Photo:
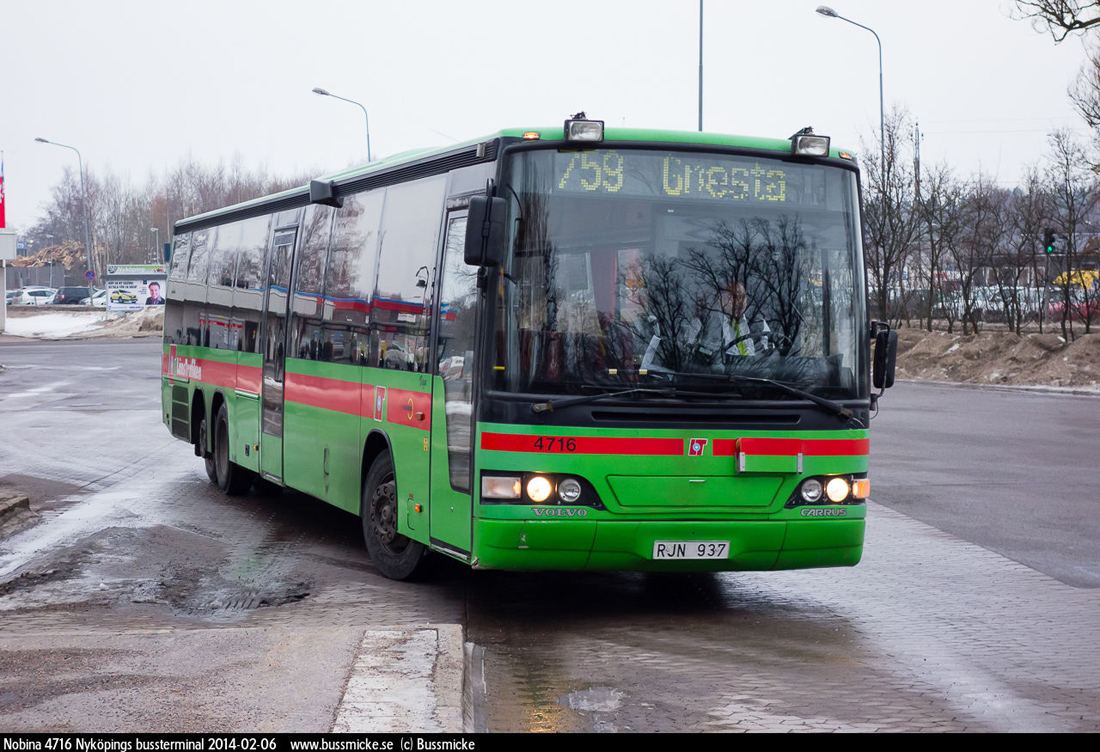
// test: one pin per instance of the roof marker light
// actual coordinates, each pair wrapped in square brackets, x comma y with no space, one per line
[584,130]
[532,136]
[807,144]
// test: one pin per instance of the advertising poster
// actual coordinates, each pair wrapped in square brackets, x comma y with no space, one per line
[135,286]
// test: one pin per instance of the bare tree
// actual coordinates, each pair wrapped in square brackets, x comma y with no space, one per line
[1030,214]
[121,217]
[940,210]
[1060,17]
[1074,198]
[891,226]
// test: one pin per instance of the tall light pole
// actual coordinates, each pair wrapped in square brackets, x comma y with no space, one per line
[323,93]
[156,244]
[83,202]
[828,12]
[700,66]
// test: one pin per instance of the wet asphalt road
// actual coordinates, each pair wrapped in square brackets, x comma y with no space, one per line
[142,600]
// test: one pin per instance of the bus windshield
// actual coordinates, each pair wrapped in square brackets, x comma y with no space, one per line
[638,267]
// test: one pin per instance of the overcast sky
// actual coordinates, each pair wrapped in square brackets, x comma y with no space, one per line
[137,85]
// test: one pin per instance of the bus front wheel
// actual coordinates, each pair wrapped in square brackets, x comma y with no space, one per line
[232,478]
[396,556]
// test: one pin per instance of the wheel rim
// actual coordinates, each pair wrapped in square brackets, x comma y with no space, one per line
[221,449]
[383,517]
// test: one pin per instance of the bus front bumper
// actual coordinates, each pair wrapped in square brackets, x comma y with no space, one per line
[631,546]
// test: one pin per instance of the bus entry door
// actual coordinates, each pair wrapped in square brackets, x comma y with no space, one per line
[276,301]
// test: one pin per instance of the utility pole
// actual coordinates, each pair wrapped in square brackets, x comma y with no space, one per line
[916,159]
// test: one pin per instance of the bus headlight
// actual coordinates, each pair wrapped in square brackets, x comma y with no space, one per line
[542,488]
[500,487]
[539,489]
[837,489]
[811,491]
[569,490]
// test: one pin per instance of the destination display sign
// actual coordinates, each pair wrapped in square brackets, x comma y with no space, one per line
[683,175]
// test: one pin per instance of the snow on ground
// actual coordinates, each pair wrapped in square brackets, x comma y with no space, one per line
[53,325]
[85,324]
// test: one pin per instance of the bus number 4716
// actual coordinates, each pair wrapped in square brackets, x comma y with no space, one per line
[555,444]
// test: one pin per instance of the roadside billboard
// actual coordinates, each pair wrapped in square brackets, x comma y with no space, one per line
[131,287]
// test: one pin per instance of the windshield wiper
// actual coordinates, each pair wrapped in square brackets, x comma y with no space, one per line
[672,392]
[833,407]
[828,404]
[550,405]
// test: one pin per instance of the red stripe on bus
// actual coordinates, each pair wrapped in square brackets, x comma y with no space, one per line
[213,372]
[510,442]
[249,378]
[756,446]
[407,408]
[328,394]
[351,305]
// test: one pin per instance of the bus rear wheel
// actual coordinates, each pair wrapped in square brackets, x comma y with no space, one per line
[232,478]
[200,449]
[396,556]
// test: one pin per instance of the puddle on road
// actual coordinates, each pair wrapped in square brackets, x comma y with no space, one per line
[160,568]
[632,652]
[37,489]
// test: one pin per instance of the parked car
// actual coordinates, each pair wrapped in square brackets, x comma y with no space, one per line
[70,295]
[11,295]
[1078,308]
[37,296]
[98,299]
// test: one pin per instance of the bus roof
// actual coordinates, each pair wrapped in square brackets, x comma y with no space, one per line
[412,158]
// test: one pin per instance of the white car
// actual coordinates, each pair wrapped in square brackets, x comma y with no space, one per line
[99,299]
[37,296]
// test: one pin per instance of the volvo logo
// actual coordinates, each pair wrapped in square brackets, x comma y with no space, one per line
[559,512]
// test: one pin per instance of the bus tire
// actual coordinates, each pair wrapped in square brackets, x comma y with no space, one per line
[232,478]
[396,556]
[200,449]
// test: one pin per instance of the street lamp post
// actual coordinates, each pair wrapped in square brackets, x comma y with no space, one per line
[83,202]
[828,12]
[156,244]
[700,66]
[323,93]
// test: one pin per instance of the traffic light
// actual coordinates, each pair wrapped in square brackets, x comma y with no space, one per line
[1048,240]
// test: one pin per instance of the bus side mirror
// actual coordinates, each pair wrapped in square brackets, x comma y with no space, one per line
[485,237]
[886,357]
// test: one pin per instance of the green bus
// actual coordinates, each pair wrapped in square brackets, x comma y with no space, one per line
[564,348]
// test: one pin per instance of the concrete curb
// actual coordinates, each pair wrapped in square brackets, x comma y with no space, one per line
[1066,391]
[12,505]
[15,513]
[405,679]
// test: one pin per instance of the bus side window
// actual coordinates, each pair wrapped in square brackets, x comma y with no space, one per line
[249,285]
[349,276]
[307,302]
[402,296]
